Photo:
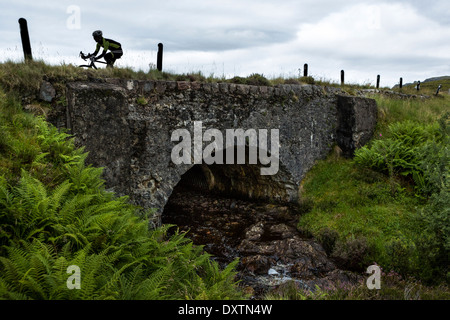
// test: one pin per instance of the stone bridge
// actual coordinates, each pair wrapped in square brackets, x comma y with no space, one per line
[127,127]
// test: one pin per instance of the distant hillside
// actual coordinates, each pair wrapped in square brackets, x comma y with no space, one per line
[429,86]
[437,79]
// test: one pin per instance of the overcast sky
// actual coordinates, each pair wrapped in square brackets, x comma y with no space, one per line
[409,39]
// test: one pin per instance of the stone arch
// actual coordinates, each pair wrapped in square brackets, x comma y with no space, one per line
[239,180]
[219,212]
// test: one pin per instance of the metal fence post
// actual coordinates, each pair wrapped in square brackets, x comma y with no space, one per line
[342,77]
[305,70]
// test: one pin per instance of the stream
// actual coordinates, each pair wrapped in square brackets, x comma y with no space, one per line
[264,236]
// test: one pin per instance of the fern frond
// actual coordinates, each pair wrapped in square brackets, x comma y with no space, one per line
[153,287]
[58,195]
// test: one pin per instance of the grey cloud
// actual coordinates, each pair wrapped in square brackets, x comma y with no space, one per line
[231,39]
[437,10]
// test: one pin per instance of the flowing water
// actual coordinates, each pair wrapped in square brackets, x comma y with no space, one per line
[264,236]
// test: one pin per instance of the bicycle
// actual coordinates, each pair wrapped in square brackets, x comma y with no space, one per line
[91,59]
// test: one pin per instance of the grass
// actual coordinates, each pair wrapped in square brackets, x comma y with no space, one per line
[422,111]
[393,287]
[357,203]
[27,76]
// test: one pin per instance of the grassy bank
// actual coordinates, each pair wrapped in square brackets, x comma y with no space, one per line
[390,204]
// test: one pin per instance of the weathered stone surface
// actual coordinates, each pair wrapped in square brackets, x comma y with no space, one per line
[183,85]
[132,140]
[357,118]
[99,122]
[47,92]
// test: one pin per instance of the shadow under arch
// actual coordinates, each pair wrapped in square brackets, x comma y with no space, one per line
[217,203]
[242,181]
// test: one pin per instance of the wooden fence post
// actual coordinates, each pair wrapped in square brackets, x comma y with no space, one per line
[160,57]
[25,36]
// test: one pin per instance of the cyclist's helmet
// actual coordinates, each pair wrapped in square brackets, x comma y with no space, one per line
[97,33]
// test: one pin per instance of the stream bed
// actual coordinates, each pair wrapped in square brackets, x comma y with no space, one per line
[264,236]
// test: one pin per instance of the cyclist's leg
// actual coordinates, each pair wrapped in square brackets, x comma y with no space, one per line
[109,59]
[115,57]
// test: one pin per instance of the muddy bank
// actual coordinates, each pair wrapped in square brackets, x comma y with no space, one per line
[264,236]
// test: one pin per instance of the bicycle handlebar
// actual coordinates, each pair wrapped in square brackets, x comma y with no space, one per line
[92,59]
[83,56]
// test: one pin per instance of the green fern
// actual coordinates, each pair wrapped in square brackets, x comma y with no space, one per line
[107,240]
[405,152]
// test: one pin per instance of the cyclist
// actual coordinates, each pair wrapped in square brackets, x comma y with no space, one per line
[114,47]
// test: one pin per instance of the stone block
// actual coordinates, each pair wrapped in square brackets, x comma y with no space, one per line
[195,85]
[171,85]
[160,87]
[357,118]
[242,89]
[224,87]
[148,86]
[210,87]
[183,85]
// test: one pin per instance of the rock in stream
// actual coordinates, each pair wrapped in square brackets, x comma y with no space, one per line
[264,236]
